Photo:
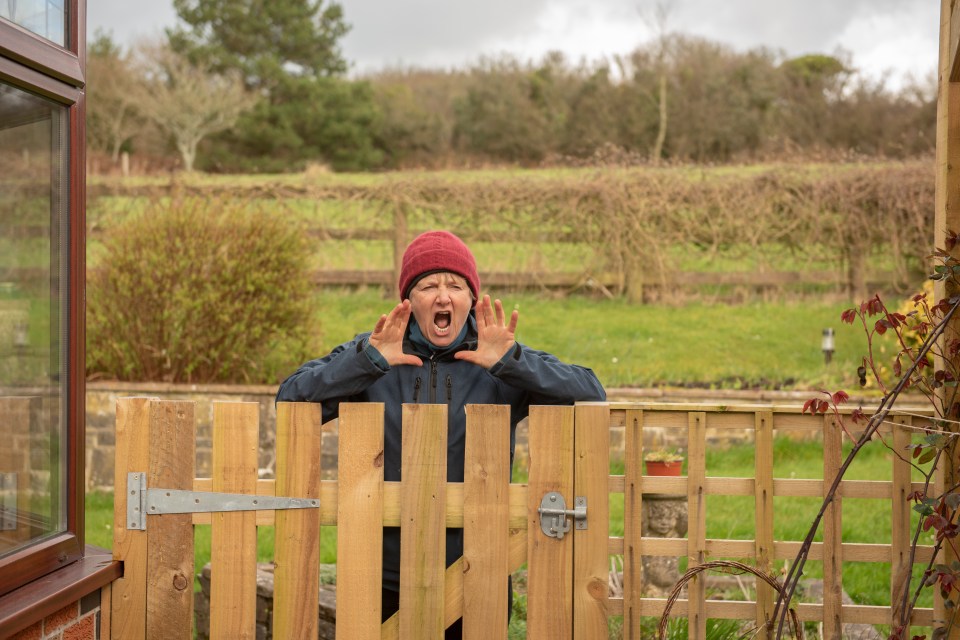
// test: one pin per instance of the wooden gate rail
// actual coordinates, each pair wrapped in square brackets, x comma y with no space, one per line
[761,423]
[567,579]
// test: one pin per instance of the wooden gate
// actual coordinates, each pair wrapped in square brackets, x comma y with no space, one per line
[567,575]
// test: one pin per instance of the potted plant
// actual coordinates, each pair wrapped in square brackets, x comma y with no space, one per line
[663,462]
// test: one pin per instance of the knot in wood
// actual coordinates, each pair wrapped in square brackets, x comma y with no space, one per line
[179,582]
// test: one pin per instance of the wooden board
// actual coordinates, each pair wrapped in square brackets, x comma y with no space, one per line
[549,561]
[486,519]
[233,535]
[763,513]
[297,538]
[170,567]
[360,521]
[697,523]
[129,597]
[591,570]
[422,526]
[832,530]
[632,508]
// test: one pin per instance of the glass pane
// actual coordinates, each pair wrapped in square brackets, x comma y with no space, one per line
[33,305]
[44,17]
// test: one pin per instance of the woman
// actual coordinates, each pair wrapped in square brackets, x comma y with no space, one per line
[456,351]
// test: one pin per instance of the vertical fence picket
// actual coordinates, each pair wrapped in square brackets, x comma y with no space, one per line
[632,508]
[900,538]
[549,561]
[360,521]
[486,520]
[233,549]
[297,535]
[832,534]
[763,511]
[423,521]
[170,537]
[592,481]
[129,597]
[697,522]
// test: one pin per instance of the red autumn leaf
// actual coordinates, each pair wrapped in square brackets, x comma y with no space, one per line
[822,406]
[809,406]
[858,416]
[880,327]
[840,397]
[848,316]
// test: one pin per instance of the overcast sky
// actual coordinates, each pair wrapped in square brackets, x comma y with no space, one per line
[896,39]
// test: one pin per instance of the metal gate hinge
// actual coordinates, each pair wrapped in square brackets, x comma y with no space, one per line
[142,502]
[553,514]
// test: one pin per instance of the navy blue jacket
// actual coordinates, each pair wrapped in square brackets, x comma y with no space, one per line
[523,377]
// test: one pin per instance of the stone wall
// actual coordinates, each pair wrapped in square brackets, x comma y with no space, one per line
[102,402]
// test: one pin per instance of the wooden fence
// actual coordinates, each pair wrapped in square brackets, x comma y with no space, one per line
[567,585]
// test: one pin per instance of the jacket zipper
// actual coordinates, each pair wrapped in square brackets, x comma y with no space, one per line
[433,382]
[416,391]
[449,389]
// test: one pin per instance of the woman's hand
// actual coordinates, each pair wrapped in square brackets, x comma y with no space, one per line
[495,336]
[387,336]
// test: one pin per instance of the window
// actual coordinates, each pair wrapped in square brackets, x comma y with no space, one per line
[43,17]
[41,288]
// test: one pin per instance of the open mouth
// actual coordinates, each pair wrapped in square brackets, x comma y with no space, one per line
[441,322]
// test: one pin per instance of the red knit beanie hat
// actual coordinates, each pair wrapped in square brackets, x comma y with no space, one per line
[433,252]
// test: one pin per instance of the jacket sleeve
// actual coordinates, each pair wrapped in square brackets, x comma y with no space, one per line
[341,376]
[546,378]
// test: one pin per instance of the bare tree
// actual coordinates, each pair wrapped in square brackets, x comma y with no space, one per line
[658,24]
[111,97]
[188,101]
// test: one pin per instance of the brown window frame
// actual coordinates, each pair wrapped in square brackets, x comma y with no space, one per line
[33,63]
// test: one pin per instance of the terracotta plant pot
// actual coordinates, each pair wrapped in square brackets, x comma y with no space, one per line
[663,467]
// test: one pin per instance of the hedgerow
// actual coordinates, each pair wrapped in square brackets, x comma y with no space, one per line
[200,290]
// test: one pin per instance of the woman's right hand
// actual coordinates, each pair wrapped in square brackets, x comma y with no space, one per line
[387,336]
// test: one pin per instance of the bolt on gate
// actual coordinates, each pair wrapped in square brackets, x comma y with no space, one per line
[557,523]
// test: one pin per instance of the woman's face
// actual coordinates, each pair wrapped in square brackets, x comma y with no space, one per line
[441,303]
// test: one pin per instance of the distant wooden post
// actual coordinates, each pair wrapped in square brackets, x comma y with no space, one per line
[947,207]
[400,239]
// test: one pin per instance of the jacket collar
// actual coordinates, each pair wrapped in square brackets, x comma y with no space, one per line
[469,342]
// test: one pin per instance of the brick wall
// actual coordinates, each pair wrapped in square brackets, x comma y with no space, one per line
[77,621]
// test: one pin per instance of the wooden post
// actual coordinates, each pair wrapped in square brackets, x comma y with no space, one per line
[486,521]
[763,513]
[632,508]
[401,238]
[129,597]
[297,547]
[422,521]
[832,534]
[900,539]
[360,521]
[590,558]
[947,218]
[170,567]
[697,523]
[549,561]
[233,535]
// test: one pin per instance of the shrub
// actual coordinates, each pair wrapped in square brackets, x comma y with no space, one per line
[199,290]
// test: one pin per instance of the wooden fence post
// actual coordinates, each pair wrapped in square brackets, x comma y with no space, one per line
[763,513]
[170,564]
[297,535]
[549,561]
[233,535]
[486,519]
[697,523]
[423,522]
[360,521]
[129,595]
[591,461]
[632,508]
[832,534]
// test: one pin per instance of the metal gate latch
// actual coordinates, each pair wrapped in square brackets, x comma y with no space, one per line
[553,514]
[142,502]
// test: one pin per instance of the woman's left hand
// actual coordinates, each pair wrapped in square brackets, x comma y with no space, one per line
[495,336]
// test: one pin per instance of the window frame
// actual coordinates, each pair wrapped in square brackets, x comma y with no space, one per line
[33,63]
